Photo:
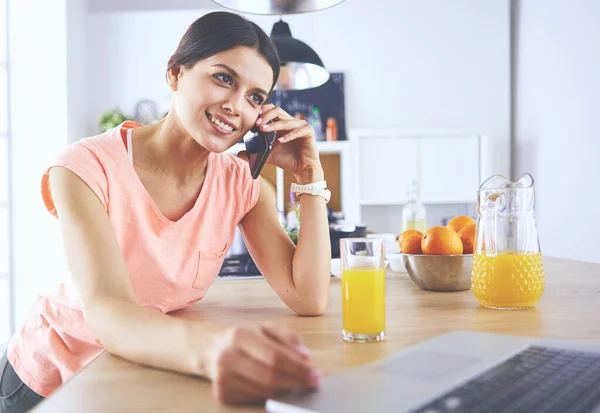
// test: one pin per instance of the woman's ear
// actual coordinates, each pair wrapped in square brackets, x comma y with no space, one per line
[173,77]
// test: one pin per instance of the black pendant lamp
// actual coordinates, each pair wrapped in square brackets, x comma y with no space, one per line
[277,7]
[301,66]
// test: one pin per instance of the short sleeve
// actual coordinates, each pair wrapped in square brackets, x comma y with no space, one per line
[84,163]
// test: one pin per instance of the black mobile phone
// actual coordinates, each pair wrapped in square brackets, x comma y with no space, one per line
[258,148]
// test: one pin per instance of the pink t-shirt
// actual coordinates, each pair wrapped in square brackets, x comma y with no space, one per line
[170,264]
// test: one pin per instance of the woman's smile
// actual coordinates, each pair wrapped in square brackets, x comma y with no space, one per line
[221,125]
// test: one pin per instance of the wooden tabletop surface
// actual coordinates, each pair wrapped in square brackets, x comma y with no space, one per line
[569,309]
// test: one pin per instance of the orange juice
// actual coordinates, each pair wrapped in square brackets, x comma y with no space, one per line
[363,301]
[508,280]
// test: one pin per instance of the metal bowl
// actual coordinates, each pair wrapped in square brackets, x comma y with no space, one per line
[440,272]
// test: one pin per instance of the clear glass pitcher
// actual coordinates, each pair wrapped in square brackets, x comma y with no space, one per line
[507,262]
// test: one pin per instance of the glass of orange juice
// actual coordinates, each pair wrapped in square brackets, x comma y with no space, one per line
[363,289]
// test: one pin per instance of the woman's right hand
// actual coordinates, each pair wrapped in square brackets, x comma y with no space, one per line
[252,364]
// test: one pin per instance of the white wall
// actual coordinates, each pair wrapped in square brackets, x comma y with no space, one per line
[76,33]
[427,64]
[557,123]
[127,58]
[38,124]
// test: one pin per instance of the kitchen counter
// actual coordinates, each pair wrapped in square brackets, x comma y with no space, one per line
[569,309]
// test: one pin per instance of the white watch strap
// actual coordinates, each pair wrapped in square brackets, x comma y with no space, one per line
[316,189]
[309,188]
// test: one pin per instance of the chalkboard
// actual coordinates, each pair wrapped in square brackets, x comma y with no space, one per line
[329,98]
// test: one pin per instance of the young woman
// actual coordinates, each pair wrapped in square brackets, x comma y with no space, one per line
[147,215]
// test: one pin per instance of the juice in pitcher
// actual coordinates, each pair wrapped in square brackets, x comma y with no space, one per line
[363,301]
[507,261]
[508,280]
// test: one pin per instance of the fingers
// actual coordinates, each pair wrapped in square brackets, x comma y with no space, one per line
[291,127]
[305,131]
[283,125]
[278,357]
[234,389]
[252,364]
[271,113]
[288,337]
[243,155]
[266,107]
[269,379]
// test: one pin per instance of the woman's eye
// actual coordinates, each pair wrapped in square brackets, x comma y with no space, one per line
[258,99]
[223,77]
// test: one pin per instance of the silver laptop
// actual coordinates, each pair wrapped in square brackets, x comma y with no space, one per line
[463,372]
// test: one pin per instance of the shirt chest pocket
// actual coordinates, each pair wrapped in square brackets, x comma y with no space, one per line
[209,265]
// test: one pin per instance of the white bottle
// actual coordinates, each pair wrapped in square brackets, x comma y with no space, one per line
[414,214]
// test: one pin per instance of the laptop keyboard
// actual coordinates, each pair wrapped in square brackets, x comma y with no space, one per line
[539,379]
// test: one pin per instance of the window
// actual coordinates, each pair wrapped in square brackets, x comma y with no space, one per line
[5,296]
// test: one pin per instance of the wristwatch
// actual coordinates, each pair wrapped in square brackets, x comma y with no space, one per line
[316,189]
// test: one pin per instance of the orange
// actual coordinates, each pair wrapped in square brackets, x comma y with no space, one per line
[405,234]
[441,241]
[459,222]
[411,244]
[467,235]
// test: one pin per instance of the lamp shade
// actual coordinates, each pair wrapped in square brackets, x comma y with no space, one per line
[277,7]
[301,66]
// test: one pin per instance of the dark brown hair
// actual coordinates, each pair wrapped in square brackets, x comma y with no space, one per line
[218,32]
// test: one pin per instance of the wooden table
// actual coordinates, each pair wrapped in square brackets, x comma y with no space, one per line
[569,309]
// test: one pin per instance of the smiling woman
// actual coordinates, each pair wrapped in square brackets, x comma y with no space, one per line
[239,75]
[147,214]
[219,58]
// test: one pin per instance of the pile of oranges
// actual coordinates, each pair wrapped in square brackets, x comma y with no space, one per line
[457,237]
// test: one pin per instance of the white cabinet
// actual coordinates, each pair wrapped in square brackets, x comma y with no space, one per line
[449,169]
[447,166]
[386,167]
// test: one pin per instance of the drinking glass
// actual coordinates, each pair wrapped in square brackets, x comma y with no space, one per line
[363,289]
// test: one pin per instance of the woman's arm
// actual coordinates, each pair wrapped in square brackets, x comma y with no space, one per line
[100,276]
[245,364]
[299,275]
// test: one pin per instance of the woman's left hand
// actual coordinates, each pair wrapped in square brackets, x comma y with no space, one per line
[294,148]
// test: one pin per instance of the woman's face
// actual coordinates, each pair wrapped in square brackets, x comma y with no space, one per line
[219,98]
